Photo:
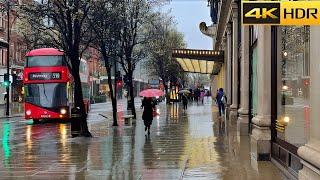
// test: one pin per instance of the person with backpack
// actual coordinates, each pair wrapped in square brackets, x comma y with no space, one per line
[221,101]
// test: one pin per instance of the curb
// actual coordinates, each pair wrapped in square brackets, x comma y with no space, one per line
[14,116]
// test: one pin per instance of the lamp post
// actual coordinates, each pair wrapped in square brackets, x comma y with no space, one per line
[8,56]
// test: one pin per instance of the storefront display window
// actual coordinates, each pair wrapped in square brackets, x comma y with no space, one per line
[254,82]
[294,81]
[253,72]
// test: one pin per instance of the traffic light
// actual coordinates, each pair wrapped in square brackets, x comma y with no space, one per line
[118,76]
[119,83]
[125,78]
[6,81]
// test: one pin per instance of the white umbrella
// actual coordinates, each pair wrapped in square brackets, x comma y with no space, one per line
[184,91]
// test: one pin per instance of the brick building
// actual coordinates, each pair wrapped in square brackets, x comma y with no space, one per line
[16,58]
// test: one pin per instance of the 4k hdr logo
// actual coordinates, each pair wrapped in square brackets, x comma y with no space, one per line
[281,13]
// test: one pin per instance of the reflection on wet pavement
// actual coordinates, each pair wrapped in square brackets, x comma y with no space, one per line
[192,144]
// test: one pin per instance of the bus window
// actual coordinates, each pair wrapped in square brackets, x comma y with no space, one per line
[41,61]
[48,95]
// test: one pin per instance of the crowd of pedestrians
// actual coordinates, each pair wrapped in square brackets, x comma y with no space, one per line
[197,95]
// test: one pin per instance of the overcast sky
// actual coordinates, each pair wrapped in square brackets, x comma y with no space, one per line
[188,14]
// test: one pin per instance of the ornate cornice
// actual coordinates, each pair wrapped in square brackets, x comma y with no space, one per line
[208,30]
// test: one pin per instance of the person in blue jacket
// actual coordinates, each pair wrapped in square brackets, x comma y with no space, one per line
[221,101]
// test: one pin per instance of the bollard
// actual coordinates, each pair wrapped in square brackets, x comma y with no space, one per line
[133,121]
[75,121]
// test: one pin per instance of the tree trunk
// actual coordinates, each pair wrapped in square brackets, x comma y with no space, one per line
[112,94]
[78,100]
[113,98]
[131,96]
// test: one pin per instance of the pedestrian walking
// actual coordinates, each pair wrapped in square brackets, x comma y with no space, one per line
[5,98]
[197,95]
[202,95]
[147,116]
[221,101]
[185,101]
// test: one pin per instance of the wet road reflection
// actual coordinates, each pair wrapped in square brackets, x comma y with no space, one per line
[192,144]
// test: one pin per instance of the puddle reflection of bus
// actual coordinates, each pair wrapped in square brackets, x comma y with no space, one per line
[48,85]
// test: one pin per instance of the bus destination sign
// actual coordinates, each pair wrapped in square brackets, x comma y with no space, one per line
[45,76]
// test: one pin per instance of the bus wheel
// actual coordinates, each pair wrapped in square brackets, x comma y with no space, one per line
[36,121]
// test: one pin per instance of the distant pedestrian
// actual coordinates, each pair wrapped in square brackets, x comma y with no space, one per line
[202,95]
[5,98]
[147,116]
[208,94]
[185,101]
[197,95]
[221,101]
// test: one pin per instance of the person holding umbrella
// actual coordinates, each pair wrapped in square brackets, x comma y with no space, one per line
[184,101]
[147,115]
[148,106]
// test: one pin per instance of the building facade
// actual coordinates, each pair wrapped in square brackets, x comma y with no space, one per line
[16,54]
[269,75]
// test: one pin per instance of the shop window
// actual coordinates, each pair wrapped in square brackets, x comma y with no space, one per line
[254,81]
[294,81]
[295,164]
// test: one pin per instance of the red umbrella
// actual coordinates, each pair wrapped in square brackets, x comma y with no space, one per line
[151,93]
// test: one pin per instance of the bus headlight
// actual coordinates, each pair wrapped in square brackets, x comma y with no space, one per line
[28,112]
[63,111]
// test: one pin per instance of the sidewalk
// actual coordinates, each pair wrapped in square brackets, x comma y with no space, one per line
[183,145]
[193,144]
[16,110]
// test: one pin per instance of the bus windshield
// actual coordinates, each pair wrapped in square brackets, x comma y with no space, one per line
[48,95]
[41,61]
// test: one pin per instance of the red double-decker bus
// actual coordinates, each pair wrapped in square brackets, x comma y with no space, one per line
[48,85]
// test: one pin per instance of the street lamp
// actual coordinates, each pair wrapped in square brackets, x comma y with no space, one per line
[8,56]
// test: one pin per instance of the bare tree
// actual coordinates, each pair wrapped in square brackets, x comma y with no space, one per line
[65,25]
[165,37]
[105,23]
[134,15]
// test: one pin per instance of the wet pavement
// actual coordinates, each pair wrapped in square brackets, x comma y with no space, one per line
[192,144]
[16,109]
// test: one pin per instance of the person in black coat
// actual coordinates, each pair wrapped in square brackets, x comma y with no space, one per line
[185,101]
[147,116]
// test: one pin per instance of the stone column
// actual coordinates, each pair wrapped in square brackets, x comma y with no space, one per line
[310,153]
[228,53]
[261,134]
[225,63]
[234,105]
[243,119]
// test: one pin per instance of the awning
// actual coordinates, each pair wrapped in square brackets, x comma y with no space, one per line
[198,61]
